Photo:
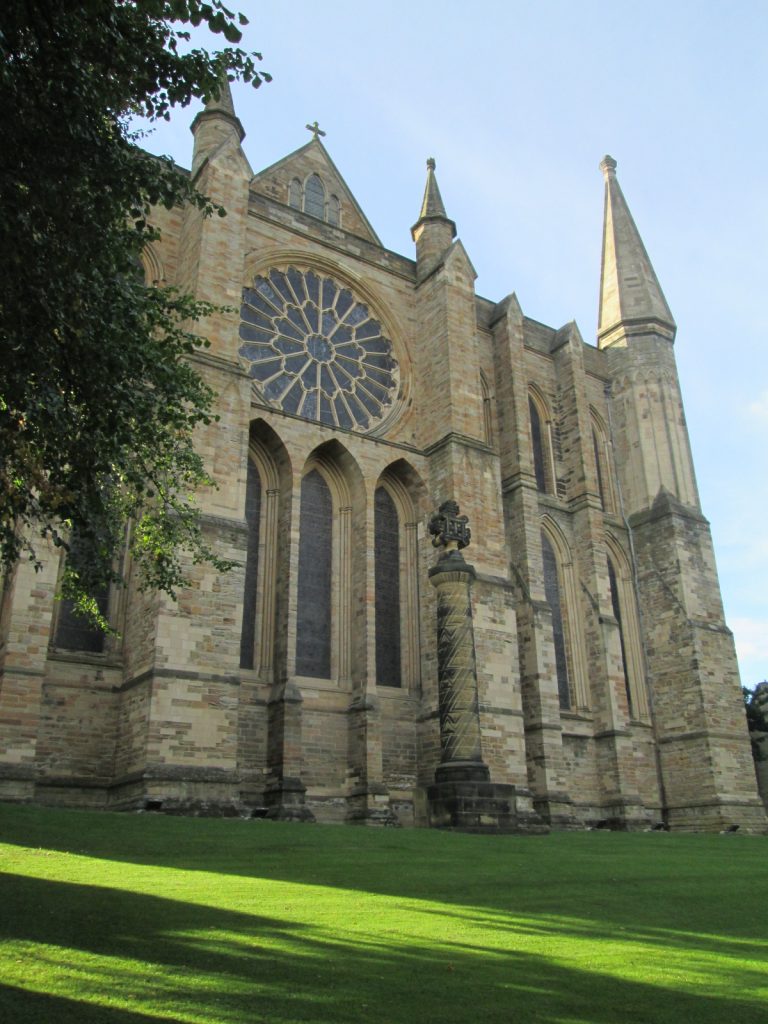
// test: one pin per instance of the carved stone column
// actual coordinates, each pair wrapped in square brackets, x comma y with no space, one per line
[463,795]
[461,757]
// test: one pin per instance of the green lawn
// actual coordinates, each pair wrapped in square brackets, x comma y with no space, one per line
[128,919]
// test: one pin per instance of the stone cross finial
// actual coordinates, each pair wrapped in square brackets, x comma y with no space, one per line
[431,164]
[315,129]
[449,530]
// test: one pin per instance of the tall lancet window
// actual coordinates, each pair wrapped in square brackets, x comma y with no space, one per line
[601,451]
[334,211]
[313,624]
[387,563]
[537,442]
[253,519]
[552,593]
[73,632]
[599,468]
[616,606]
[294,193]
[314,197]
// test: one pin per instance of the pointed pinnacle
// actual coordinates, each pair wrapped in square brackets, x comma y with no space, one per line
[221,107]
[223,101]
[432,204]
[630,293]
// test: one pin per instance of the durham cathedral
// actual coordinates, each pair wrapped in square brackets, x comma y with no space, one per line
[473,584]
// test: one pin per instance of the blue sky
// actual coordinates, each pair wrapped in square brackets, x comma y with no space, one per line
[518,102]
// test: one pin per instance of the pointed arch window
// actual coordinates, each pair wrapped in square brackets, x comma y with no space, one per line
[334,211]
[313,623]
[487,410]
[295,192]
[72,631]
[625,612]
[387,571]
[602,464]
[538,446]
[553,595]
[314,197]
[616,607]
[541,444]
[253,519]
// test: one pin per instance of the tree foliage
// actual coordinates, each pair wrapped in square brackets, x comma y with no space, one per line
[756,707]
[98,401]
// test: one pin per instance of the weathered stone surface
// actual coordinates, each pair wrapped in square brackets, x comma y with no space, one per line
[173,717]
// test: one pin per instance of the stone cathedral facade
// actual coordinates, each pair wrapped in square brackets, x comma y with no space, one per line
[358,391]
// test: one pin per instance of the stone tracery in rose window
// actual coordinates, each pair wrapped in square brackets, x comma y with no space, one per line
[316,350]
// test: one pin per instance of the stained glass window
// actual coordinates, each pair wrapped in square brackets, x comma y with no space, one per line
[314,197]
[316,350]
[387,552]
[313,625]
[552,594]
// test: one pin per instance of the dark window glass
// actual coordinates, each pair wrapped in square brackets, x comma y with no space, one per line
[73,632]
[334,209]
[294,193]
[314,197]
[253,519]
[552,594]
[313,626]
[538,446]
[598,466]
[387,552]
[617,614]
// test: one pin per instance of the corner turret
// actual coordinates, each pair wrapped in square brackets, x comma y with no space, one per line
[215,124]
[631,300]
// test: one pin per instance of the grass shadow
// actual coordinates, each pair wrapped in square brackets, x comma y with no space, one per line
[187,962]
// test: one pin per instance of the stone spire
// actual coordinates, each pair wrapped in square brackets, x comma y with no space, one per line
[215,123]
[631,299]
[433,232]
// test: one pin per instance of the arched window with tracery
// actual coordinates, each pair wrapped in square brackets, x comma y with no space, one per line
[554,598]
[314,197]
[314,612]
[387,574]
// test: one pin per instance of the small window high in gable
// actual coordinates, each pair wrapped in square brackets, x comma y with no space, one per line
[310,197]
[295,194]
[314,197]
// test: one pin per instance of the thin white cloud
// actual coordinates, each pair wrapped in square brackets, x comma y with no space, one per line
[758,409]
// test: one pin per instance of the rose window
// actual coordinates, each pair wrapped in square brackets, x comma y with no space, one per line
[315,349]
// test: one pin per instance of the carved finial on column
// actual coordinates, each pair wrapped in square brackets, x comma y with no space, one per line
[449,530]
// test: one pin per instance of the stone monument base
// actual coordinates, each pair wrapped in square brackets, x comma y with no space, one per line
[477,805]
